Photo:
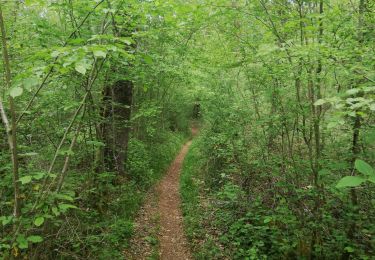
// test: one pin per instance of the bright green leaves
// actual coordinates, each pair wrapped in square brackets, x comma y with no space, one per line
[39,221]
[16,92]
[267,49]
[100,53]
[111,38]
[28,178]
[55,54]
[349,249]
[35,239]
[30,82]
[55,211]
[355,101]
[96,143]
[267,219]
[81,67]
[25,179]
[355,181]
[38,175]
[22,241]
[63,197]
[350,181]
[62,200]
[148,59]
[5,220]
[320,102]
[64,207]
[364,168]
[81,58]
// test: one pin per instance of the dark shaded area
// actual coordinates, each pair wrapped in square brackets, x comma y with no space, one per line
[122,98]
[197,110]
[114,130]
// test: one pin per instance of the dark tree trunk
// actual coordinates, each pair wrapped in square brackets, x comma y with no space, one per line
[103,154]
[114,130]
[122,98]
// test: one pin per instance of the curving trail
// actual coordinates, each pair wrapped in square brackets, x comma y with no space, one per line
[161,217]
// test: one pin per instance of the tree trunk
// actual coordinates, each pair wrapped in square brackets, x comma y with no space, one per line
[114,130]
[11,128]
[122,98]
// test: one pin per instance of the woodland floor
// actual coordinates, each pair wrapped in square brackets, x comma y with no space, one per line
[158,232]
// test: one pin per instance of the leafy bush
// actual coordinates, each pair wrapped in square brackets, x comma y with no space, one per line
[138,164]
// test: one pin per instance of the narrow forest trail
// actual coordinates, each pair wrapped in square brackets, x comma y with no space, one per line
[159,230]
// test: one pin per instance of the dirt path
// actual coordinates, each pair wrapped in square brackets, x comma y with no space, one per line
[173,244]
[159,227]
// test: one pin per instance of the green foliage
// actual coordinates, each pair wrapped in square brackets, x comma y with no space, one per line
[65,59]
[190,185]
[364,168]
[286,97]
[139,163]
[354,181]
[350,181]
[287,107]
[16,92]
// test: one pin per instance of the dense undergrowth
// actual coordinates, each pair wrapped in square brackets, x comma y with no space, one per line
[102,230]
[228,216]
[93,109]
[102,223]
[284,168]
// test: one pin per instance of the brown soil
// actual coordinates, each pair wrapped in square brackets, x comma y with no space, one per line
[161,218]
[173,244]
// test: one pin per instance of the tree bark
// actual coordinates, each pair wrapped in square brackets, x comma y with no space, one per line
[122,98]
[114,131]
[11,128]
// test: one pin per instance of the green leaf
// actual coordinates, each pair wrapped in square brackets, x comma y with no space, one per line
[38,175]
[99,53]
[4,246]
[148,59]
[52,175]
[35,239]
[5,220]
[349,249]
[352,91]
[364,168]
[80,68]
[126,40]
[25,179]
[267,220]
[22,242]
[28,83]
[372,179]
[16,92]
[39,221]
[350,181]
[319,102]
[64,197]
[324,172]
[54,54]
[64,207]
[55,211]
[28,154]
